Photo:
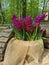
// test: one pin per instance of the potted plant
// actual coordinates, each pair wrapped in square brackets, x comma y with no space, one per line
[28,31]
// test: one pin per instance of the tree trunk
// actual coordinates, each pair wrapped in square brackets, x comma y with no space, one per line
[1,14]
[43,6]
[24,9]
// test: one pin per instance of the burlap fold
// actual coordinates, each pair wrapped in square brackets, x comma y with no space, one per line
[21,52]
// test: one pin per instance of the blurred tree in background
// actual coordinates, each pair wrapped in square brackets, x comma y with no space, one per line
[21,8]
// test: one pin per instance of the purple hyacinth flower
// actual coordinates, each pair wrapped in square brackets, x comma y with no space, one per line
[22,23]
[14,17]
[29,23]
[29,18]
[39,18]
[16,23]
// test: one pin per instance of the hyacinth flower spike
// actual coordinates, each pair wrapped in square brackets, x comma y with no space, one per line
[16,22]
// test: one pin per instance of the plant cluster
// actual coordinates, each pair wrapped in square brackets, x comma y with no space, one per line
[28,28]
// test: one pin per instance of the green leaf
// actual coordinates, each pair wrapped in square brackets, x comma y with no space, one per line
[27,36]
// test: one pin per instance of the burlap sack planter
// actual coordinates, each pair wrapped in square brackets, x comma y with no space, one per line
[18,50]
[36,49]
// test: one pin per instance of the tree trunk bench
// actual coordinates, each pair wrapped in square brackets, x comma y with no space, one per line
[5,35]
